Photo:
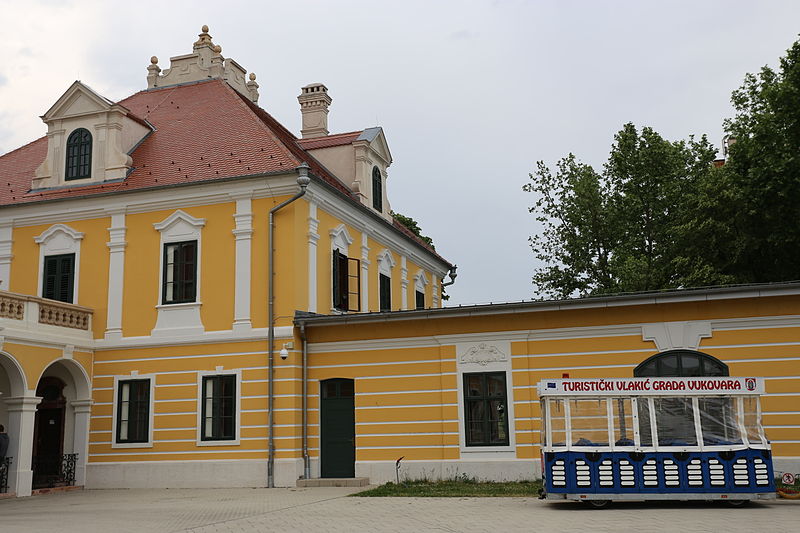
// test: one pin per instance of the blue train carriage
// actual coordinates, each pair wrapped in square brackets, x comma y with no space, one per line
[657,438]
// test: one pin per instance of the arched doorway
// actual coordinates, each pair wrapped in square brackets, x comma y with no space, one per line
[681,363]
[61,426]
[48,434]
[13,386]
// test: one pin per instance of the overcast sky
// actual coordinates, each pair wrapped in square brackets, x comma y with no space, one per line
[470,93]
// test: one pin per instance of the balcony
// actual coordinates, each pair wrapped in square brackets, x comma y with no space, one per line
[21,314]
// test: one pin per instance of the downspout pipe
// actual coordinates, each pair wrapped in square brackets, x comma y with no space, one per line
[306,459]
[302,180]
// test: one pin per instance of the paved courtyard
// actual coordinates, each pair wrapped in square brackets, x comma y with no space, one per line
[330,509]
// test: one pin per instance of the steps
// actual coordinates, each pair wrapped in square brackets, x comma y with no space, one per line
[334,482]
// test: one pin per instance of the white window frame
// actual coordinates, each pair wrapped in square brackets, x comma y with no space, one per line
[386,264]
[179,318]
[340,240]
[421,283]
[151,411]
[237,424]
[482,357]
[59,239]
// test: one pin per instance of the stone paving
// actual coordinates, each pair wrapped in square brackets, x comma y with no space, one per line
[329,509]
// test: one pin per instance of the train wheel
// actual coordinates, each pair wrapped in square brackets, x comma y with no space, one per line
[736,503]
[598,504]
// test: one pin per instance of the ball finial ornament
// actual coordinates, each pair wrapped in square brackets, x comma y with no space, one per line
[154,60]
[204,29]
[252,76]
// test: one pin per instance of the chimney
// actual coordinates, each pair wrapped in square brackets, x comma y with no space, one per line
[314,102]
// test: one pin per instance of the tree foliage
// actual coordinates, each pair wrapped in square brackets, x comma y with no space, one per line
[412,225]
[660,215]
[763,173]
[616,230]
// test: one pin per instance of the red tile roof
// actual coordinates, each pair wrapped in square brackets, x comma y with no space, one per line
[203,132]
[338,139]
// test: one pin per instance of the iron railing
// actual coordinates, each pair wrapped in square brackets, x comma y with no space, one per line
[5,466]
[54,471]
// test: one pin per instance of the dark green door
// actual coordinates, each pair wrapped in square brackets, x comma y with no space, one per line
[337,428]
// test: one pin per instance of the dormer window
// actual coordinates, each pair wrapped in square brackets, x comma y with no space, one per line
[377,190]
[79,155]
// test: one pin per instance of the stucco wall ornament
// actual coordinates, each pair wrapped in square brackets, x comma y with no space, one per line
[483,354]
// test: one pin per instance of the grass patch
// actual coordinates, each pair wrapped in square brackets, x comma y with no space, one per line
[455,488]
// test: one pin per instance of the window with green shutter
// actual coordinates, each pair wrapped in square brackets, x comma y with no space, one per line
[385,292]
[58,277]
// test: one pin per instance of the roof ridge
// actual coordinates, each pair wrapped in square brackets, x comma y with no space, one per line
[260,122]
[292,144]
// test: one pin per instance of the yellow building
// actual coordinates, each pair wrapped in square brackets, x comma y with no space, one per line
[143,244]
[191,296]
[453,390]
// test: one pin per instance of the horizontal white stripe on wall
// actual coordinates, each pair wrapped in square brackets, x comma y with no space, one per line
[566,354]
[409,434]
[227,451]
[794,426]
[433,446]
[394,376]
[361,364]
[165,358]
[413,406]
[428,391]
[193,372]
[560,368]
[404,422]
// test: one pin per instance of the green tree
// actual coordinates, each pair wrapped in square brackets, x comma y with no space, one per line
[621,230]
[762,174]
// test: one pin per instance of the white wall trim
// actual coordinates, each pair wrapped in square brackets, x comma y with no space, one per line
[365,272]
[238,408]
[243,235]
[133,375]
[60,239]
[6,245]
[480,357]
[673,335]
[313,239]
[404,282]
[181,318]
[116,274]
[340,239]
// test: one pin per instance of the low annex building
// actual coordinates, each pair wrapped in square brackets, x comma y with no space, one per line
[192,296]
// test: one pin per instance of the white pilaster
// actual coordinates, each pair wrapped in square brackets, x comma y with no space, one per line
[21,416]
[364,272]
[243,233]
[116,274]
[6,229]
[404,282]
[80,439]
[313,238]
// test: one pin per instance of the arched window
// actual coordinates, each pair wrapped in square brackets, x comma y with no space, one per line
[79,155]
[681,363]
[377,189]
